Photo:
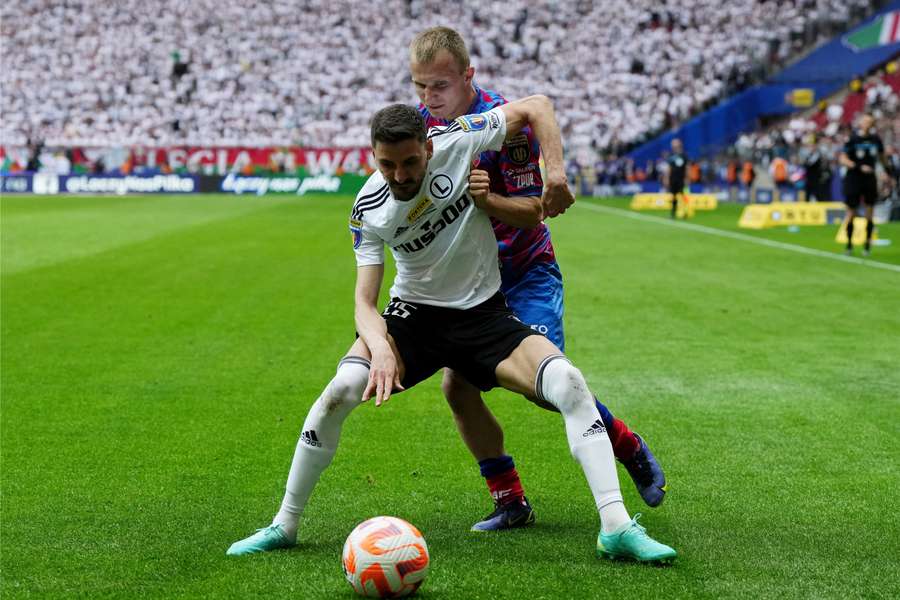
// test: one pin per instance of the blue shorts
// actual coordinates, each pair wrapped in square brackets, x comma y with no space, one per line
[537,299]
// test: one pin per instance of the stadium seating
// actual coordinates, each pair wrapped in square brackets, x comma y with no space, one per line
[876,94]
[209,72]
[853,103]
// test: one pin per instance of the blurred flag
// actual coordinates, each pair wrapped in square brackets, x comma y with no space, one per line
[882,31]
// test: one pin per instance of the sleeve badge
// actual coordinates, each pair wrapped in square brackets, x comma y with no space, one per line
[356,232]
[471,123]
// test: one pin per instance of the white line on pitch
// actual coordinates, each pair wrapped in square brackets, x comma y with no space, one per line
[738,236]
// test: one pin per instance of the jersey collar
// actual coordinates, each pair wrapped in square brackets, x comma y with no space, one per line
[473,108]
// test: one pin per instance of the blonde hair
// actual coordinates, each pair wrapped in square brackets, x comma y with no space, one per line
[426,45]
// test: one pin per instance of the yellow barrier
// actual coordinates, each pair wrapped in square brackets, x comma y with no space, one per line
[664,201]
[859,232]
[756,216]
[776,214]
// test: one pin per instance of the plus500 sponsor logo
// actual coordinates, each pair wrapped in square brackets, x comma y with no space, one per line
[450,214]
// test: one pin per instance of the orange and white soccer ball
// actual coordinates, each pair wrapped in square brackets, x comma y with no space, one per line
[385,557]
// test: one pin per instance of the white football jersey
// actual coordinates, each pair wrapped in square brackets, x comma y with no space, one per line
[444,247]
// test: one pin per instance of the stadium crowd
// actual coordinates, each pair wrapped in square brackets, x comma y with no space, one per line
[799,152]
[804,149]
[204,72]
[830,122]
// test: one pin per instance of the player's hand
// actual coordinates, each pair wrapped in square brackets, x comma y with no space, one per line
[384,377]
[866,169]
[479,185]
[557,196]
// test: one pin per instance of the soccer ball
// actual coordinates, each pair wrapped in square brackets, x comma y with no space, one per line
[385,557]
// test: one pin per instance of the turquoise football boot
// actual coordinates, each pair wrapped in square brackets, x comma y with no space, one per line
[632,542]
[264,540]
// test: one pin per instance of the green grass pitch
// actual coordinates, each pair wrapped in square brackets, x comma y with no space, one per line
[159,355]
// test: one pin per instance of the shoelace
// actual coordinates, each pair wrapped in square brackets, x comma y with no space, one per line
[634,521]
[273,528]
[498,509]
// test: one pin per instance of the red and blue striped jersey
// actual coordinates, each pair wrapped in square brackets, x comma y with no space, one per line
[514,171]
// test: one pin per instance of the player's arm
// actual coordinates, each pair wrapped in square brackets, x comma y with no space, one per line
[384,376]
[537,111]
[524,212]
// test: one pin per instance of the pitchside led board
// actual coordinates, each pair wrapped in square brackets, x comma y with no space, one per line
[664,201]
[776,214]
[43,184]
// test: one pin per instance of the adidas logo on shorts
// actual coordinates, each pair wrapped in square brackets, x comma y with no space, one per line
[309,437]
[596,428]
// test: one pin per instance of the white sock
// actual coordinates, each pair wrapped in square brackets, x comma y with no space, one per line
[319,439]
[562,385]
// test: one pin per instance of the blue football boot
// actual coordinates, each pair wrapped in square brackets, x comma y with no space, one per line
[647,475]
[507,516]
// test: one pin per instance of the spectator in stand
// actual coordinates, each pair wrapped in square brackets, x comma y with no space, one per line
[817,173]
[748,174]
[35,151]
[101,73]
[694,174]
[893,158]
[761,147]
[731,172]
[778,169]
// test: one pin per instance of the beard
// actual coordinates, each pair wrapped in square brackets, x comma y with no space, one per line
[405,191]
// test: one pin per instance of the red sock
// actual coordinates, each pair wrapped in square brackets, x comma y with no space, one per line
[505,487]
[624,442]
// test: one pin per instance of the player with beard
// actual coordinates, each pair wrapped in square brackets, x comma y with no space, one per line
[447,311]
[518,202]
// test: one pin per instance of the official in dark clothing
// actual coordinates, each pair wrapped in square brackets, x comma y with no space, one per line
[675,174]
[860,184]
